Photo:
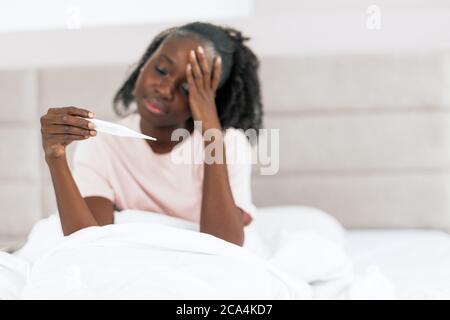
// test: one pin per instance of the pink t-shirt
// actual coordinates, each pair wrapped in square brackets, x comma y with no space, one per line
[128,172]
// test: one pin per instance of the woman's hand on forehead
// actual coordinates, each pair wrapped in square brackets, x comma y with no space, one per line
[203,82]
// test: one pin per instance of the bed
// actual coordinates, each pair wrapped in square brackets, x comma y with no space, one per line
[387,263]
[416,262]
[304,254]
[372,153]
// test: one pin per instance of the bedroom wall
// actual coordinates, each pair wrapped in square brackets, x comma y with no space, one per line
[363,117]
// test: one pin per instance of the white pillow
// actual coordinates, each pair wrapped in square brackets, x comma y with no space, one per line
[271,222]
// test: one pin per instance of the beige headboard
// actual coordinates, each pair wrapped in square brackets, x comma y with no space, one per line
[365,138]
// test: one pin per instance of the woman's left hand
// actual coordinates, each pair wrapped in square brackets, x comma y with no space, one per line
[202,88]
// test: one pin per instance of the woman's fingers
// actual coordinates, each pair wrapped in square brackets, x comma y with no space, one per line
[190,78]
[73,111]
[65,129]
[197,72]
[217,70]
[201,73]
[64,139]
[61,126]
[68,120]
[204,67]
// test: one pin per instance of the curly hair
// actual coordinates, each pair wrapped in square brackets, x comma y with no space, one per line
[238,97]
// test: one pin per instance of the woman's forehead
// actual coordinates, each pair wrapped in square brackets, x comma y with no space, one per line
[177,49]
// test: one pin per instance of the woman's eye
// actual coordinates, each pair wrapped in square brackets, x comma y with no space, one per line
[185,89]
[160,71]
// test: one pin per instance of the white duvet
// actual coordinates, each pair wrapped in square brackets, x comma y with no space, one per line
[14,273]
[150,256]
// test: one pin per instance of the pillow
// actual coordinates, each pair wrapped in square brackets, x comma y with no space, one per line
[270,222]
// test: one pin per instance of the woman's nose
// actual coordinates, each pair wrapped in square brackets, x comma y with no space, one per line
[165,90]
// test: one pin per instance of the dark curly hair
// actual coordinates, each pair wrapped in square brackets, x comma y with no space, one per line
[238,97]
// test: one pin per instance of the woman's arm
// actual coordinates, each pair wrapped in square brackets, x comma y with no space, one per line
[73,210]
[102,209]
[219,214]
[60,127]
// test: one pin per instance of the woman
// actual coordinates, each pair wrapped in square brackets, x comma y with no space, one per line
[196,72]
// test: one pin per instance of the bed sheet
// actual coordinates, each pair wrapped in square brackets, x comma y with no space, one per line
[415,262]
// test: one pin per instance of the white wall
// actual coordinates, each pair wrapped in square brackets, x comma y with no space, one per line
[278,28]
[364,115]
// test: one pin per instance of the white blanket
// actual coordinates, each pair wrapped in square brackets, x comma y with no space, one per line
[152,256]
[155,262]
[14,273]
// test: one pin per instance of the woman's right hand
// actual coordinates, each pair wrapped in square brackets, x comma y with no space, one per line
[61,126]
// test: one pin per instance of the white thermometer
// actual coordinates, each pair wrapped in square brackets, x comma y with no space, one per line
[117,130]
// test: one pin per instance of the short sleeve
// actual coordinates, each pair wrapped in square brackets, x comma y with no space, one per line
[239,164]
[90,169]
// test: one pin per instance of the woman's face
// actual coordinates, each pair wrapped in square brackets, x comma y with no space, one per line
[161,90]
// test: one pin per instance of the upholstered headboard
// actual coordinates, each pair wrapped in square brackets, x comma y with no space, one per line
[364,138]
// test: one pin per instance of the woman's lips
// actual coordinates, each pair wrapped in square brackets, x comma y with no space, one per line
[153,108]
